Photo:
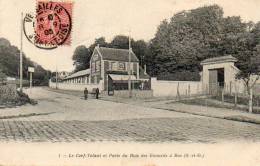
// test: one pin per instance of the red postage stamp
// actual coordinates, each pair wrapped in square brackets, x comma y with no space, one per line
[52,24]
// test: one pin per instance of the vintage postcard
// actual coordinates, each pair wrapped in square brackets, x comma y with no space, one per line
[130,82]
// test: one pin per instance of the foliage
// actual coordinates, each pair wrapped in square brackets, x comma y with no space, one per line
[10,60]
[120,41]
[248,54]
[179,75]
[192,36]
[81,57]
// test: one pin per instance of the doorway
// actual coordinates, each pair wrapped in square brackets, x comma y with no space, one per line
[216,80]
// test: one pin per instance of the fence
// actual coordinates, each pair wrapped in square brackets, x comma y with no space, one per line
[176,88]
[229,88]
[233,95]
[73,86]
[228,95]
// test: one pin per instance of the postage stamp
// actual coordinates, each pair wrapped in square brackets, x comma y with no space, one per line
[130,82]
[51,26]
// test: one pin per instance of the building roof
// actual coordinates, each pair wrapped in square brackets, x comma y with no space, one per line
[221,59]
[115,54]
[78,74]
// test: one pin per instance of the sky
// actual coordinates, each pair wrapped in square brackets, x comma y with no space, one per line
[95,18]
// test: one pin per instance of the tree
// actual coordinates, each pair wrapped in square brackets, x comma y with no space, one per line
[9,62]
[192,36]
[140,48]
[101,42]
[120,41]
[185,40]
[81,58]
[248,54]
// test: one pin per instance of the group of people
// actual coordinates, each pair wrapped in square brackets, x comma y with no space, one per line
[96,92]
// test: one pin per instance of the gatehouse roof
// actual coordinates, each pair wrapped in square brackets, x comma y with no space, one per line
[221,59]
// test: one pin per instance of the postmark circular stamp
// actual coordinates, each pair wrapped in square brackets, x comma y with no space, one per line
[51,27]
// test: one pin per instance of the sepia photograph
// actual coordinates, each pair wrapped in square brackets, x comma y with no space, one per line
[130,83]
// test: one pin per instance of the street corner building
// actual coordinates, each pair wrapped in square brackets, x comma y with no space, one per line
[110,69]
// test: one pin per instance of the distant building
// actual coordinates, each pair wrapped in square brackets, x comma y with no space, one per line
[219,72]
[109,68]
[63,74]
[78,77]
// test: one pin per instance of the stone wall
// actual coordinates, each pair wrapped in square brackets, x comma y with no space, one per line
[172,88]
[74,86]
[135,93]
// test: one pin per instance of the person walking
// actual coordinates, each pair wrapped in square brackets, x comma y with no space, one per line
[86,93]
[97,93]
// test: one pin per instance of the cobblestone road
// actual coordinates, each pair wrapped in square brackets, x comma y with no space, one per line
[206,130]
[67,118]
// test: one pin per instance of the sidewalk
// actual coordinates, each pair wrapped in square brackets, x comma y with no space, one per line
[223,113]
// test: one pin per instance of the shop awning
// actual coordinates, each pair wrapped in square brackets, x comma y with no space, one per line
[118,77]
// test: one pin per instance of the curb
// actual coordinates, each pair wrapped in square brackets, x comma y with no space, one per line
[233,118]
[22,115]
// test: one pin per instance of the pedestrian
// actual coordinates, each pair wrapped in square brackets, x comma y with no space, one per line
[97,93]
[86,93]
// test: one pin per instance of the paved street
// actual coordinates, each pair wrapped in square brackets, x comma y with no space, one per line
[61,117]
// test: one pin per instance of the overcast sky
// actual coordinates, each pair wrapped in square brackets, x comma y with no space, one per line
[96,18]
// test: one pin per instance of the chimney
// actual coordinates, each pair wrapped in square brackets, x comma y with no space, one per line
[145,70]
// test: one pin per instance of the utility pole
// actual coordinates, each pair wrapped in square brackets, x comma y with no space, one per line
[30,70]
[30,80]
[129,68]
[21,55]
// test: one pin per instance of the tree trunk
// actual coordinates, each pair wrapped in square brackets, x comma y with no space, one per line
[250,103]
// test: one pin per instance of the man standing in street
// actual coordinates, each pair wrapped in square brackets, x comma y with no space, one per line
[86,93]
[97,93]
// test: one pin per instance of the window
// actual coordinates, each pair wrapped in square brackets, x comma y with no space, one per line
[95,57]
[113,66]
[97,65]
[93,67]
[121,66]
